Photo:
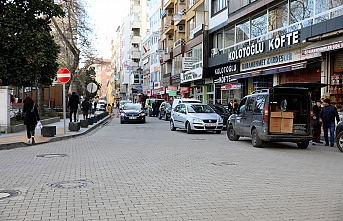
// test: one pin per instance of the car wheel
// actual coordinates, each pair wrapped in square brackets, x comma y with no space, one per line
[303,144]
[231,134]
[339,139]
[172,127]
[255,140]
[121,122]
[218,131]
[189,129]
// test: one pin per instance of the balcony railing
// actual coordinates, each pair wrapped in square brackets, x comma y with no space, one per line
[168,24]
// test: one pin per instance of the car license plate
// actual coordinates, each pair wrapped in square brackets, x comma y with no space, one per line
[132,117]
[211,125]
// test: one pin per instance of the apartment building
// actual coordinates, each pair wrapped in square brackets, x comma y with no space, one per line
[184,24]
[262,43]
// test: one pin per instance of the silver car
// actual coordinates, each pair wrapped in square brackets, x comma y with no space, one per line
[195,117]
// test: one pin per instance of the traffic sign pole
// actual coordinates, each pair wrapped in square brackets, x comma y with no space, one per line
[63,75]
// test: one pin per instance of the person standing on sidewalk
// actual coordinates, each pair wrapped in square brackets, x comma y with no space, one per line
[86,106]
[73,105]
[31,118]
[327,116]
[316,111]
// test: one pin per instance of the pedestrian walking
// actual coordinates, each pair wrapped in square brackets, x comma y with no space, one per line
[315,125]
[234,106]
[31,118]
[109,109]
[85,106]
[73,105]
[316,110]
[327,116]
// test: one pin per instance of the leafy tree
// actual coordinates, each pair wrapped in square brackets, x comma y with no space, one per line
[28,52]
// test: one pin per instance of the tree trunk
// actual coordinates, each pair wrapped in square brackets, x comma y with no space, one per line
[41,100]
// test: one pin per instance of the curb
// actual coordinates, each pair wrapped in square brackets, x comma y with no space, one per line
[14,145]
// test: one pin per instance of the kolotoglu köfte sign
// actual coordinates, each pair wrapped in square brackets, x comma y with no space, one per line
[272,44]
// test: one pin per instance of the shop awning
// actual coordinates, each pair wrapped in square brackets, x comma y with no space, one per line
[324,45]
[270,70]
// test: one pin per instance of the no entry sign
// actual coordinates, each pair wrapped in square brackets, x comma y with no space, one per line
[63,75]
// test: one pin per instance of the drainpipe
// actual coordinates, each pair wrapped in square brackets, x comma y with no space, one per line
[206,14]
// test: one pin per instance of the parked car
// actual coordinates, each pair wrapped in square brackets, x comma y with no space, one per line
[177,101]
[195,117]
[148,106]
[279,114]
[222,111]
[339,136]
[132,112]
[165,111]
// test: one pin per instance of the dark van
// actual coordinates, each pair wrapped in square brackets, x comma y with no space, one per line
[279,114]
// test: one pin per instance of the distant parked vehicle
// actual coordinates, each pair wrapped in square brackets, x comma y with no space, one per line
[195,117]
[177,101]
[165,111]
[222,111]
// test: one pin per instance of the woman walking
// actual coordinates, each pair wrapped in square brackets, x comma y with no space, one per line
[31,118]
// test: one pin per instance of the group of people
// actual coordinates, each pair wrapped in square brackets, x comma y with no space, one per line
[324,115]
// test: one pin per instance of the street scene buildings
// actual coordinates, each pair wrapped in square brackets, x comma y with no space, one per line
[224,50]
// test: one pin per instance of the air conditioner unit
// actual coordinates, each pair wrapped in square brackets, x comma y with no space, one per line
[214,52]
[170,11]
[181,28]
[135,45]
[170,37]
[182,1]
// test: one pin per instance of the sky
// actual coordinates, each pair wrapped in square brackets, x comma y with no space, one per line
[106,16]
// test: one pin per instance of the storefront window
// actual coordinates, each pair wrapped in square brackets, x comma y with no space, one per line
[229,37]
[197,56]
[259,25]
[218,40]
[300,10]
[243,31]
[324,5]
[278,18]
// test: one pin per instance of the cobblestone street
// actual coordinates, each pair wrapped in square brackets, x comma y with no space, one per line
[147,172]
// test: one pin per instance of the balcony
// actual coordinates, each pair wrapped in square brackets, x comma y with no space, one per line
[179,19]
[136,55]
[196,5]
[135,39]
[169,4]
[135,9]
[135,25]
[168,27]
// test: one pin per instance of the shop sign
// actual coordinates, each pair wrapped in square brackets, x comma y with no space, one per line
[184,90]
[187,63]
[156,68]
[157,84]
[172,88]
[230,86]
[139,87]
[151,86]
[272,44]
[171,92]
[323,48]
[222,79]
[277,58]
[192,75]
[226,69]
[155,92]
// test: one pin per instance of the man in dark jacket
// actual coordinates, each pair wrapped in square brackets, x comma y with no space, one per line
[86,106]
[327,116]
[73,105]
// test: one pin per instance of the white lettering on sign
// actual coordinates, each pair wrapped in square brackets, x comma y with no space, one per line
[222,80]
[273,44]
[226,69]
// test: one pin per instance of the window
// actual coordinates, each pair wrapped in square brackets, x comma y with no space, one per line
[218,5]
[278,17]
[259,25]
[242,31]
[250,104]
[218,40]
[229,37]
[191,25]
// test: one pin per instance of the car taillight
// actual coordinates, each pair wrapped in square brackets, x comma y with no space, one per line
[265,114]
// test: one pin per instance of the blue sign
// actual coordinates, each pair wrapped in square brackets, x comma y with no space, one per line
[139,87]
